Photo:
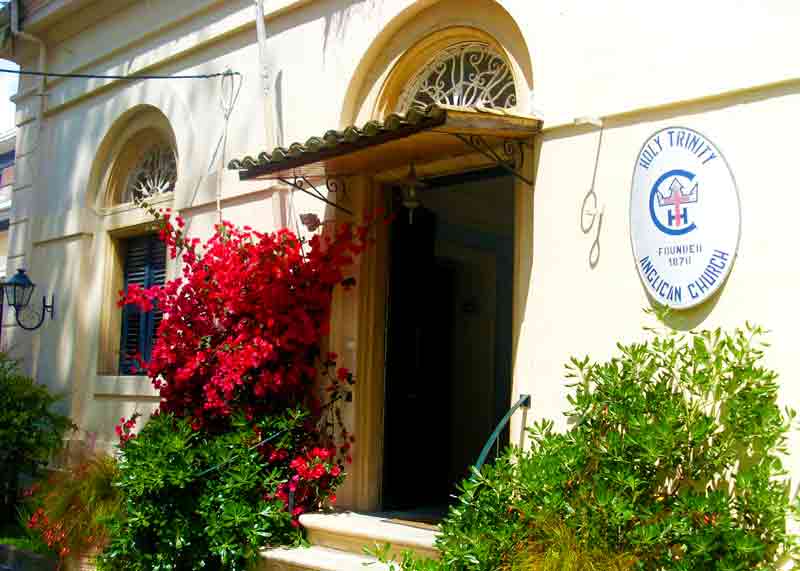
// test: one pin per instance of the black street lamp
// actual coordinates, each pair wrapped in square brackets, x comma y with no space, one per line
[19,291]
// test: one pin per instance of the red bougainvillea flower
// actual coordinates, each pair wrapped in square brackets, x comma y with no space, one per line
[124,430]
[242,330]
[244,323]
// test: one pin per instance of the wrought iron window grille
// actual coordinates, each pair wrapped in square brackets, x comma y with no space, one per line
[467,74]
[155,174]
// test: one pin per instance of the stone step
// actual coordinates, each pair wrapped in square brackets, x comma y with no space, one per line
[317,558]
[351,532]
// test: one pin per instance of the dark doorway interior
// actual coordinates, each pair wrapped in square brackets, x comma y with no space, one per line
[448,355]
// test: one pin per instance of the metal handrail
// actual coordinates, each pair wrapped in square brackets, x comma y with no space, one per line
[524,402]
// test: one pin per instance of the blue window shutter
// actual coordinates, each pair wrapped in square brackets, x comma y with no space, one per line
[145,266]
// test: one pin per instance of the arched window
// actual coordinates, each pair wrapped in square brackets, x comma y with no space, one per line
[154,174]
[137,161]
[466,74]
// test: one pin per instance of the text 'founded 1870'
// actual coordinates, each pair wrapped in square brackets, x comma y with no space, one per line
[684,217]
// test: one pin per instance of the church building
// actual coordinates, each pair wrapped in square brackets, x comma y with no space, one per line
[556,168]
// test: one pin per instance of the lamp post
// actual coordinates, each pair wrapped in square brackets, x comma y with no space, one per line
[18,292]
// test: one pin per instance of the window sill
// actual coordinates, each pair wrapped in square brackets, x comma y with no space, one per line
[159,201]
[116,386]
[129,219]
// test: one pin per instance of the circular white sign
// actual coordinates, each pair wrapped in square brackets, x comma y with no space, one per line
[684,217]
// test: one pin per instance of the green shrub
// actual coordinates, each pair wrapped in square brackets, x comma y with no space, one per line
[26,543]
[672,460]
[18,536]
[557,548]
[674,455]
[198,500]
[481,528]
[30,431]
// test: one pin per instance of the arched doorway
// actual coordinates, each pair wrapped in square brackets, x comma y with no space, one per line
[449,334]
[449,339]
[472,148]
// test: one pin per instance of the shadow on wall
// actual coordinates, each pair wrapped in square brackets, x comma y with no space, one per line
[688,319]
[336,22]
[336,15]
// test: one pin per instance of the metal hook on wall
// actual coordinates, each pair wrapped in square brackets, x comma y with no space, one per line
[594,252]
[591,215]
[589,211]
[592,211]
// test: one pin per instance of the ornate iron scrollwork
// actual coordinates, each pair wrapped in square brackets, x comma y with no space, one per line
[333,184]
[336,185]
[155,174]
[509,156]
[463,75]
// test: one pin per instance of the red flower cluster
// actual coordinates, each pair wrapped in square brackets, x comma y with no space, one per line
[60,516]
[243,325]
[53,533]
[124,430]
[29,492]
[316,474]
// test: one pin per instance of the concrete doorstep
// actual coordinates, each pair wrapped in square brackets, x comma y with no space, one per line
[338,541]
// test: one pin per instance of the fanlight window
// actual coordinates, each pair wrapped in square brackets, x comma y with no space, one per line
[463,75]
[155,174]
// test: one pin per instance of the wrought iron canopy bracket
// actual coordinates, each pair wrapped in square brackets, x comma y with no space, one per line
[302,184]
[510,158]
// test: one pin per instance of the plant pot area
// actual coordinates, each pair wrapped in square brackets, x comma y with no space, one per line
[14,559]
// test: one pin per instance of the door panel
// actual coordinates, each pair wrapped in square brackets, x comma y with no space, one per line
[418,360]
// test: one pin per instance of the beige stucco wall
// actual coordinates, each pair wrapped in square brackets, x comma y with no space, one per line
[3,250]
[731,73]
[573,309]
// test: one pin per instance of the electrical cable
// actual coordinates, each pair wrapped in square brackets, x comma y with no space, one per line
[236,457]
[268,439]
[228,99]
[123,77]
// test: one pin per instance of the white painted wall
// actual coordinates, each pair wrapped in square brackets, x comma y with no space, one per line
[649,61]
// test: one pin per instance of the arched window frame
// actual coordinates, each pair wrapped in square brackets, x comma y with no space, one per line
[146,166]
[139,154]
[409,67]
[123,154]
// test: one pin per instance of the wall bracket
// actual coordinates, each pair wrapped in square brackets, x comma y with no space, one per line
[510,157]
[333,184]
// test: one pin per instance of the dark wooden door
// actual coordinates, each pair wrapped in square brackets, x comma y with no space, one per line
[418,357]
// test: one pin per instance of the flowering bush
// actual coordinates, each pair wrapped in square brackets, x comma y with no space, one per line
[248,435]
[243,326]
[73,506]
[196,500]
